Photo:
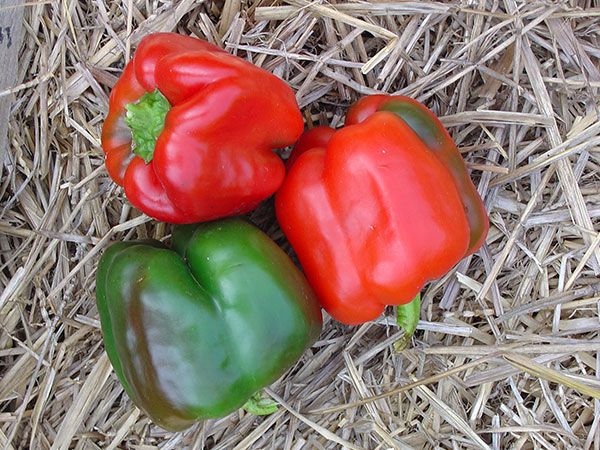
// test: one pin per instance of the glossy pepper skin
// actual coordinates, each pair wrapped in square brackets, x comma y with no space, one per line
[193,332]
[379,208]
[191,130]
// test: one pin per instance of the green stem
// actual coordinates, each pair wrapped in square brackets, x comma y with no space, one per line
[146,120]
[407,318]
[260,406]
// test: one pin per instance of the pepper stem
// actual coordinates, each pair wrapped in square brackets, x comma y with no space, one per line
[260,406]
[146,120]
[407,317]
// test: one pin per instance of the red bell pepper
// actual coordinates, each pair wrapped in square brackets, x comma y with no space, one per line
[379,207]
[191,129]
[314,138]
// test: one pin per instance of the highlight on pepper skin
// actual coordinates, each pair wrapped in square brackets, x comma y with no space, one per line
[190,132]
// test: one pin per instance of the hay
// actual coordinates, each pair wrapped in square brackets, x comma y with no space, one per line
[506,354]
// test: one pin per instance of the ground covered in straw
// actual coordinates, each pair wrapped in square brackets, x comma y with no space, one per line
[506,353]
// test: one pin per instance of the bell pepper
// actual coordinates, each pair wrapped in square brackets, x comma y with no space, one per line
[314,138]
[379,207]
[191,129]
[193,332]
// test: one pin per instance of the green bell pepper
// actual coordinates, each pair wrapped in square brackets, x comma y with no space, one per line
[194,332]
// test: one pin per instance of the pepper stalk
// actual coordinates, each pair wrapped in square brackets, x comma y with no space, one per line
[146,120]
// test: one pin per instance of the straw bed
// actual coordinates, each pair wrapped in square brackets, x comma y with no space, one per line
[507,352]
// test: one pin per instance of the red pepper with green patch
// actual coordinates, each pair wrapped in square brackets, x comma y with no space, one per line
[379,207]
